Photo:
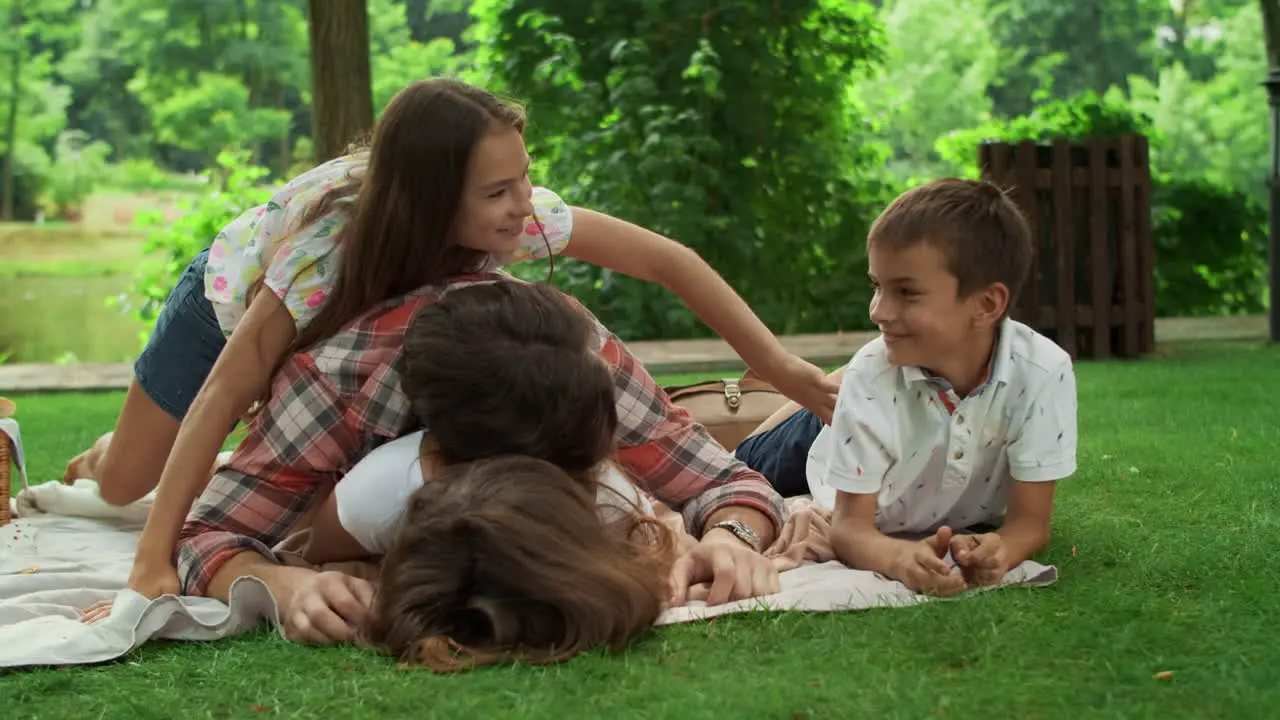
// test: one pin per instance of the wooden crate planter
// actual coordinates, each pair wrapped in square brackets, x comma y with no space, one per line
[1092,285]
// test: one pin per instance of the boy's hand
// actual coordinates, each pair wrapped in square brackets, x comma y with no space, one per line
[982,558]
[921,568]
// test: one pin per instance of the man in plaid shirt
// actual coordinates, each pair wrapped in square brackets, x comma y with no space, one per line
[333,404]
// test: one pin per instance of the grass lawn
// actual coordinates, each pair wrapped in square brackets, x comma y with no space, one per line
[1166,541]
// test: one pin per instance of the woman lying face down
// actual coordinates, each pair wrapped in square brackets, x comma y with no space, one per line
[510,559]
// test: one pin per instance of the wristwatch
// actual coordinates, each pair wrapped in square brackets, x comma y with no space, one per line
[741,531]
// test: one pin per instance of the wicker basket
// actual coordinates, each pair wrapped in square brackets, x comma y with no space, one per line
[6,476]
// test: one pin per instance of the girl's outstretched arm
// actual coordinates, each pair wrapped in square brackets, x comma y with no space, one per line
[621,246]
[241,375]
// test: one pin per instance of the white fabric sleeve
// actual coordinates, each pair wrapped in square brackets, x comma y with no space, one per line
[1045,448]
[373,497]
[854,454]
[617,496]
[554,219]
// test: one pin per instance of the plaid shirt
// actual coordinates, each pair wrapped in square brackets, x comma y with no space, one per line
[334,404]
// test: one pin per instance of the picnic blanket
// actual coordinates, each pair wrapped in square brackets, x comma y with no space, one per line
[68,549]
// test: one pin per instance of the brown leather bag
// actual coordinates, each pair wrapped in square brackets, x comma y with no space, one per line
[730,408]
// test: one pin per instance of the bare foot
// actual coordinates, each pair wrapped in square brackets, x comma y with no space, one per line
[85,464]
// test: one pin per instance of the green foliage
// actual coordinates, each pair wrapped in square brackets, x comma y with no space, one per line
[1216,126]
[1211,249]
[30,171]
[211,115]
[939,62]
[29,37]
[142,174]
[79,165]
[1071,48]
[1088,115]
[234,187]
[729,129]
[398,60]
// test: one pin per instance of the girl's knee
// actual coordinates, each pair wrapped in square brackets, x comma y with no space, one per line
[121,482]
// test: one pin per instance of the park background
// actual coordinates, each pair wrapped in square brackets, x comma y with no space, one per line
[766,135]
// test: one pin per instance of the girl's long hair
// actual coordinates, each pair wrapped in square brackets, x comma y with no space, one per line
[508,559]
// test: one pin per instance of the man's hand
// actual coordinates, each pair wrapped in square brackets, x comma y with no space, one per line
[920,567]
[982,558]
[326,609]
[733,569]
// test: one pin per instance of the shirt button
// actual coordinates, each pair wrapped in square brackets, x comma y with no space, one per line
[958,454]
[959,419]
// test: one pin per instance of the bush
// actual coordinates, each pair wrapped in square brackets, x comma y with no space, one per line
[1211,249]
[234,188]
[30,170]
[142,174]
[729,129]
[79,166]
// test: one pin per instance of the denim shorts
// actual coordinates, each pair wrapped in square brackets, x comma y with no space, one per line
[781,453]
[184,345]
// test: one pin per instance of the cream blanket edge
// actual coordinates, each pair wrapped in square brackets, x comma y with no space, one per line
[68,549]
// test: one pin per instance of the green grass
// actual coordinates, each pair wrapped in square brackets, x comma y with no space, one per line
[1166,543]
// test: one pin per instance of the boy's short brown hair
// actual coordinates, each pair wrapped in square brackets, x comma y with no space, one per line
[984,236]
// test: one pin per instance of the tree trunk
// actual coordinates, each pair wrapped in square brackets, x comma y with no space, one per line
[285,160]
[11,123]
[1271,30]
[342,87]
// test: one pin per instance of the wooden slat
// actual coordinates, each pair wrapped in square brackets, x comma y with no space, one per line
[1064,255]
[1000,163]
[1025,169]
[1146,247]
[1099,267]
[1131,289]
[1081,177]
[984,163]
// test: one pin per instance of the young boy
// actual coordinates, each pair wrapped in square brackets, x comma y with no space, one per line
[953,415]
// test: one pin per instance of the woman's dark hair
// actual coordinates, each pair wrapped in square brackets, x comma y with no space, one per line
[508,559]
[510,368]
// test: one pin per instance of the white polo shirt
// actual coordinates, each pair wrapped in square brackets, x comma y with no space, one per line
[934,458]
